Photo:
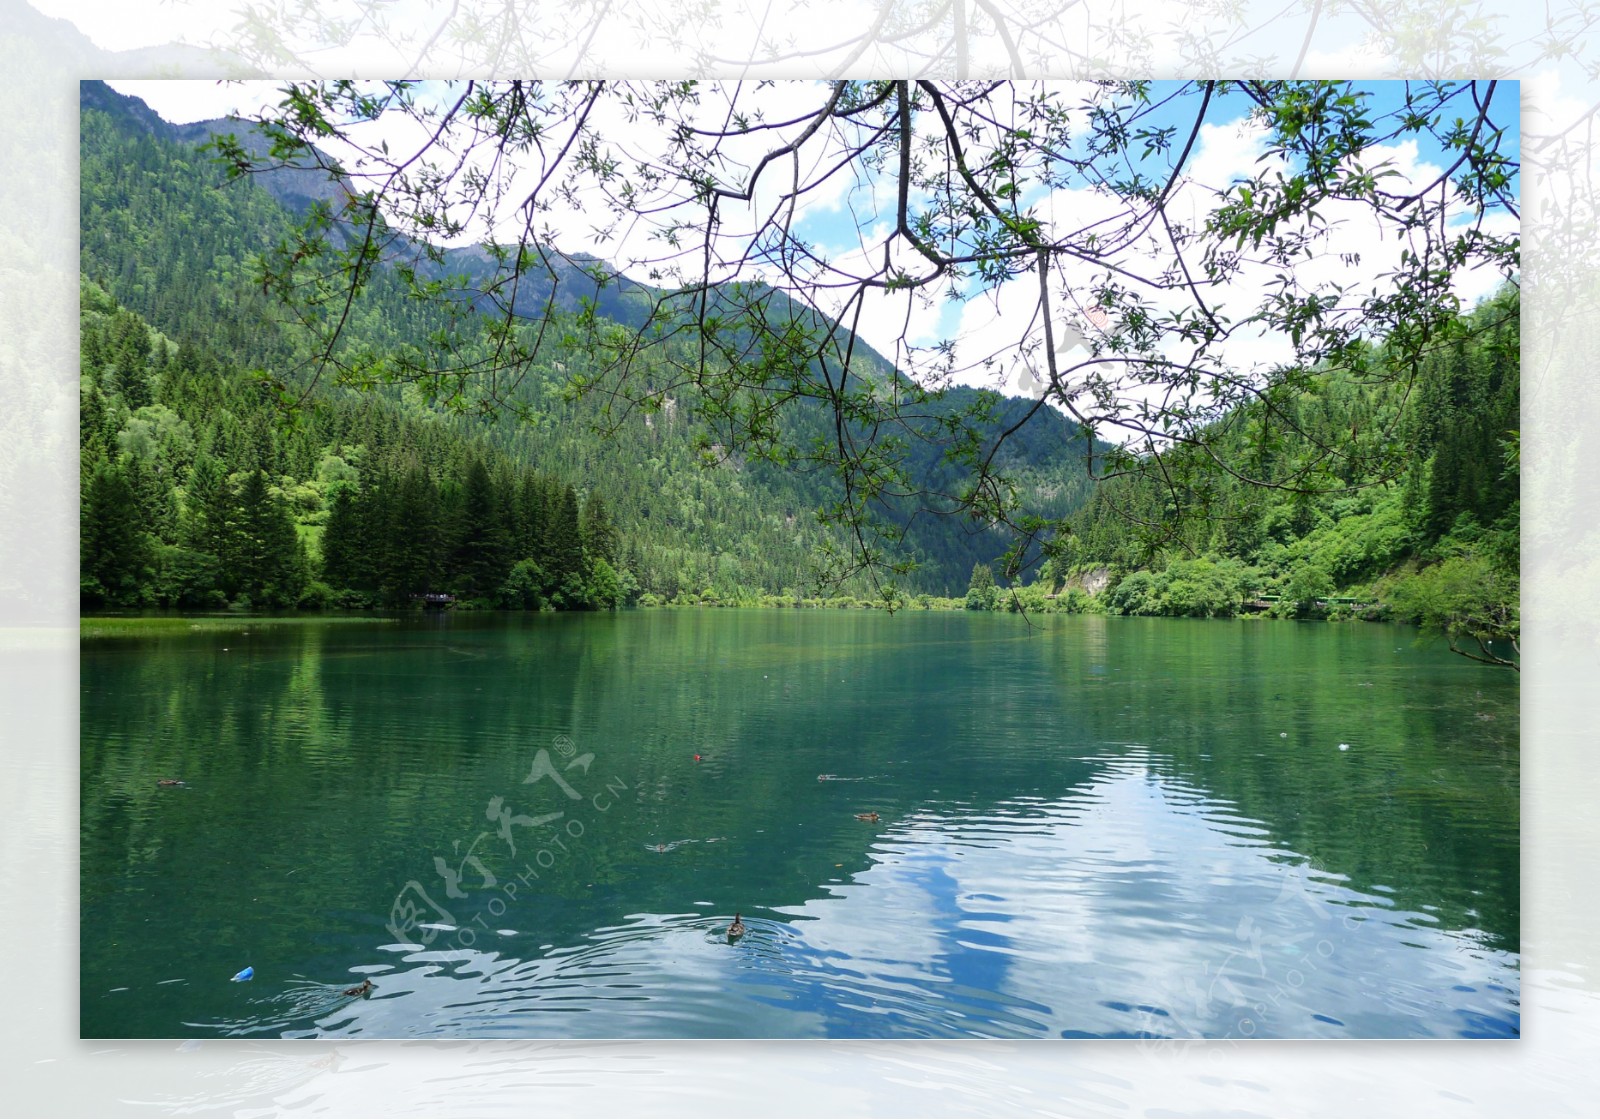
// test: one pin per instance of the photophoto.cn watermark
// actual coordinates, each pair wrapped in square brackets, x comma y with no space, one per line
[1219,988]
[533,844]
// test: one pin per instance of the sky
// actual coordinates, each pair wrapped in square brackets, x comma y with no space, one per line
[992,327]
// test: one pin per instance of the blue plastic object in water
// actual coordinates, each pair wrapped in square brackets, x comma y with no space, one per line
[246,974]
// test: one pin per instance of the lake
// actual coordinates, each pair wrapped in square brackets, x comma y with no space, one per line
[542,826]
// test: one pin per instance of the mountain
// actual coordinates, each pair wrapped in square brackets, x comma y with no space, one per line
[571,277]
[165,244]
[60,39]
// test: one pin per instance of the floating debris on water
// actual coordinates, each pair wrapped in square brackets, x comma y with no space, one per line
[246,973]
[674,845]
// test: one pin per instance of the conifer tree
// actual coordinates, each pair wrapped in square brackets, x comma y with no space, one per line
[566,567]
[115,552]
[483,549]
[266,559]
[599,536]
[981,592]
[343,540]
[410,545]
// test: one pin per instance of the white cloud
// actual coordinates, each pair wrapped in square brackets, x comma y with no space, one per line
[1367,55]
[183,102]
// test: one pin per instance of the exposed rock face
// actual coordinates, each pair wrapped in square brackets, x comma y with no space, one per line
[1093,581]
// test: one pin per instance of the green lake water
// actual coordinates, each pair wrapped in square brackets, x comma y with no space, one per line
[1092,827]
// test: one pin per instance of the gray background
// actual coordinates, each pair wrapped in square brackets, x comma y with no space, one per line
[44,1069]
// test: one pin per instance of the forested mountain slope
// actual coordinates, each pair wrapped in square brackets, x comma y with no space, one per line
[186,371]
[1402,498]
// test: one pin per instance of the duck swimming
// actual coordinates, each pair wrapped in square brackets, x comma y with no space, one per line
[736,930]
[867,817]
[168,782]
[360,989]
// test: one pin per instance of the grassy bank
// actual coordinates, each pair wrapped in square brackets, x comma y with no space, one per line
[157,625]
